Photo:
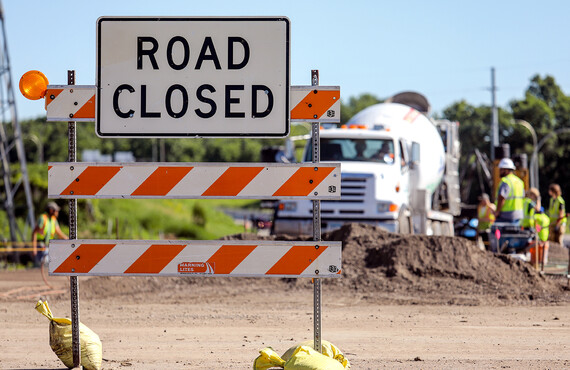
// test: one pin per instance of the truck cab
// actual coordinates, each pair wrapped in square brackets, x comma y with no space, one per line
[374,184]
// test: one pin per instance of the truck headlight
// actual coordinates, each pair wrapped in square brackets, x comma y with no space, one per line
[288,206]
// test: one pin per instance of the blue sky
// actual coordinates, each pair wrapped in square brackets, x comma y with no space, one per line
[443,49]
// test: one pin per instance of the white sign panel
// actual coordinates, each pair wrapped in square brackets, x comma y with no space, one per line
[193,76]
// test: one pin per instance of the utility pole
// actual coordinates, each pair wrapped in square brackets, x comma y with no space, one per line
[494,116]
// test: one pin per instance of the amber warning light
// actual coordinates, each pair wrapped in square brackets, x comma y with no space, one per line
[33,85]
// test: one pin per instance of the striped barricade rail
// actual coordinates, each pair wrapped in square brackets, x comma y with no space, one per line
[193,180]
[77,102]
[195,258]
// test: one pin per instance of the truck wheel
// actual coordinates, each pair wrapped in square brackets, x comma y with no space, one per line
[405,225]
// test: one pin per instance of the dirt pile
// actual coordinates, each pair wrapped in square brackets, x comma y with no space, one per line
[436,269]
[377,265]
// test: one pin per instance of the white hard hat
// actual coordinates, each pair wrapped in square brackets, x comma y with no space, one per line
[507,163]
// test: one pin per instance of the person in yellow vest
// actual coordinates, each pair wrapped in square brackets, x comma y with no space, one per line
[557,214]
[46,229]
[485,218]
[542,222]
[510,194]
[531,204]
[485,213]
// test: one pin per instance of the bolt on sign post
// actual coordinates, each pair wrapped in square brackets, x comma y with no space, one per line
[191,77]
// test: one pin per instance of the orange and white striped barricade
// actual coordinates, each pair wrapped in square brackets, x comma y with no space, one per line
[196,258]
[315,104]
[82,180]
[309,103]
[70,102]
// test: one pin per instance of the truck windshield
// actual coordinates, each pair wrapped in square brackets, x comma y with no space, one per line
[345,149]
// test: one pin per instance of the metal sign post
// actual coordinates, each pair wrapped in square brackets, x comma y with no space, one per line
[316,227]
[73,283]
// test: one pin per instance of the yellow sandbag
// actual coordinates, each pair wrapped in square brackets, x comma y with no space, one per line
[303,357]
[267,359]
[61,342]
[327,348]
[306,358]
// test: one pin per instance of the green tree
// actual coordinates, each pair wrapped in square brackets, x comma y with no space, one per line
[356,104]
[475,133]
[547,109]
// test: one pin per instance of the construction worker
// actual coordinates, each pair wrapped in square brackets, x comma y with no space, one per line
[485,213]
[531,204]
[510,194]
[542,222]
[47,227]
[485,218]
[557,214]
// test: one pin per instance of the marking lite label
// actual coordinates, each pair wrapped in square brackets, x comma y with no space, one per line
[193,76]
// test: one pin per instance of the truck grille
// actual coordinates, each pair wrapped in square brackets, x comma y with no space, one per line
[355,189]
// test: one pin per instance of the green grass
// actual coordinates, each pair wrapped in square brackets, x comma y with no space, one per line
[157,218]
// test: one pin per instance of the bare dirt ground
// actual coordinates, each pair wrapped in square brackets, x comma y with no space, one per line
[411,302]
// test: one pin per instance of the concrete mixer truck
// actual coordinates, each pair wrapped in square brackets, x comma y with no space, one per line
[398,167]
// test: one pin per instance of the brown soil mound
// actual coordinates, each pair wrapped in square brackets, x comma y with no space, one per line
[437,269]
[382,266]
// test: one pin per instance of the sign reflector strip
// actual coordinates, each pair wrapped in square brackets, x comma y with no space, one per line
[315,104]
[205,258]
[83,180]
[70,103]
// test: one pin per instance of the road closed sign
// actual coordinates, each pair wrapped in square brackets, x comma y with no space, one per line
[193,77]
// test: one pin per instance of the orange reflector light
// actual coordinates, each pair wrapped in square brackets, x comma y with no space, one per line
[393,207]
[33,85]
[397,187]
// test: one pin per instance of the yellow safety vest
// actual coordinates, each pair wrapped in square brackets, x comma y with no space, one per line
[543,221]
[514,200]
[528,213]
[48,230]
[486,217]
[554,210]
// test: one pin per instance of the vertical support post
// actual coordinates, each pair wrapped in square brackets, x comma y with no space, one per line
[73,283]
[536,241]
[316,228]
[494,116]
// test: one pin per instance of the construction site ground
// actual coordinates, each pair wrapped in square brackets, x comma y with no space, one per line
[406,302]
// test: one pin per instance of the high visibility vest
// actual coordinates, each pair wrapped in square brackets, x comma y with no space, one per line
[48,231]
[554,209]
[514,200]
[486,217]
[543,222]
[528,213]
